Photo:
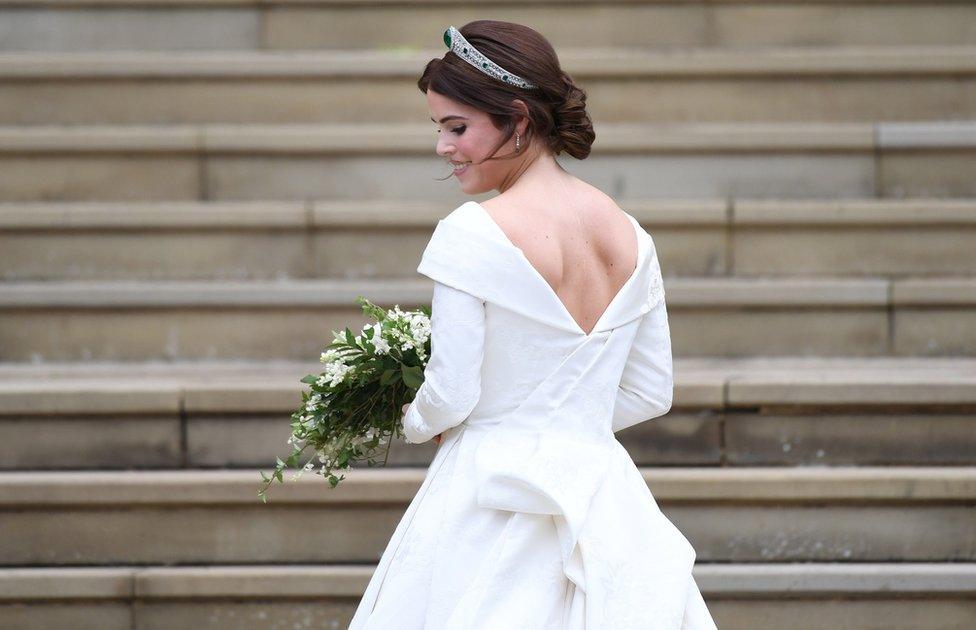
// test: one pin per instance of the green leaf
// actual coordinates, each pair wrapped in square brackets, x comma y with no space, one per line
[413,376]
[387,377]
[310,379]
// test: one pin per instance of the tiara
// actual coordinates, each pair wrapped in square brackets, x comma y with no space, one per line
[460,46]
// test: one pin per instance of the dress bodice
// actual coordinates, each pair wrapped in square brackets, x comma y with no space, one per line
[537,363]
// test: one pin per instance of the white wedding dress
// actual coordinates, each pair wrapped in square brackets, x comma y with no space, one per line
[532,516]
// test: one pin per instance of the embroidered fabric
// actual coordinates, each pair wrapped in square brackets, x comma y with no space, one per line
[452,378]
[647,383]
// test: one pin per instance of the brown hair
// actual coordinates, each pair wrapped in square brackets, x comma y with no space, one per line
[557,106]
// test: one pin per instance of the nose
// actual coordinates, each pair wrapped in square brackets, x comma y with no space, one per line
[444,147]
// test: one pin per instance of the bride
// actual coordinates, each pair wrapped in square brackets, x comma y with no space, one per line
[549,333]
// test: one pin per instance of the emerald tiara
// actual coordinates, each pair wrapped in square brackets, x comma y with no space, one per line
[460,46]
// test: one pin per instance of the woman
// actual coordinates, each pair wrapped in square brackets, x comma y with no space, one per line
[549,333]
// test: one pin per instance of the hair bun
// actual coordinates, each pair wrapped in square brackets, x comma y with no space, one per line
[555,108]
[574,130]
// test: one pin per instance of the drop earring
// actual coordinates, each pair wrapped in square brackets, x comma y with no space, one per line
[518,141]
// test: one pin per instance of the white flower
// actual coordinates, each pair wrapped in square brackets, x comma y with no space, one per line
[381,345]
[336,372]
[329,356]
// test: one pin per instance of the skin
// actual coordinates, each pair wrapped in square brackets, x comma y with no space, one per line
[576,236]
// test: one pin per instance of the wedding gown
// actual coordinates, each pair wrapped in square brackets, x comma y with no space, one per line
[532,516]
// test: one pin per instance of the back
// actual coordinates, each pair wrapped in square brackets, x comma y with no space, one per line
[540,366]
[585,253]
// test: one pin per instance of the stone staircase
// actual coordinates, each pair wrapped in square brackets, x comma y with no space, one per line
[193,193]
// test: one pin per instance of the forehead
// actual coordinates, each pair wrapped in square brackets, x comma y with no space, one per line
[444,109]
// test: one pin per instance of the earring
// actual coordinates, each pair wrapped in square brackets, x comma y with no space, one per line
[517,142]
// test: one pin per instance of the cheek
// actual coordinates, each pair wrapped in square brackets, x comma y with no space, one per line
[478,149]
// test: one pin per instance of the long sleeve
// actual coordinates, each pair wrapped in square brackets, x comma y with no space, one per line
[646,386]
[452,377]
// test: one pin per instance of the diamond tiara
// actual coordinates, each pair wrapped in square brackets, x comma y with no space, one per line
[460,46]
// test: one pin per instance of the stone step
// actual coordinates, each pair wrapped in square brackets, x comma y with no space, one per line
[289,24]
[352,239]
[786,411]
[761,514]
[740,596]
[398,160]
[291,319]
[894,83]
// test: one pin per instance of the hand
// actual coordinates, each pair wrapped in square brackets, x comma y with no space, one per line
[437,438]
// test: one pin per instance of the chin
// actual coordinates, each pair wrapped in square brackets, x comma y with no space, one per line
[473,189]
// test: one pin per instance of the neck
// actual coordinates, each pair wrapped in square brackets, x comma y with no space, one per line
[533,171]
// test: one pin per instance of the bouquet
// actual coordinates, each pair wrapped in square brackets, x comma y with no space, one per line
[354,407]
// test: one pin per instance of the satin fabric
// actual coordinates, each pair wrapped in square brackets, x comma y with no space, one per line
[532,515]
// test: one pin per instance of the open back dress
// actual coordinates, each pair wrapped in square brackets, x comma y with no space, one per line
[532,516]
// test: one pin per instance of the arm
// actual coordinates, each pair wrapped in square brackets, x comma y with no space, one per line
[646,386]
[452,377]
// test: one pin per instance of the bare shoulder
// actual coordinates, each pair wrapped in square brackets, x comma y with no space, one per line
[510,215]
[524,217]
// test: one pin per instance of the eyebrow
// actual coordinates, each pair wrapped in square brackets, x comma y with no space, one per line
[447,118]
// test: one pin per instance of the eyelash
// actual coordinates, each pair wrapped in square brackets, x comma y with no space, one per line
[457,130]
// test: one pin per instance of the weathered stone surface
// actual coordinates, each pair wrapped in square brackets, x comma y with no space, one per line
[870,438]
[114,26]
[728,317]
[61,177]
[742,333]
[788,533]
[211,535]
[312,86]
[753,595]
[774,410]
[656,176]
[844,613]
[79,442]
[745,515]
[948,331]
[74,615]
[686,437]
[308,613]
[231,254]
[860,250]
[197,535]
[691,437]
[265,240]
[927,173]
[731,24]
